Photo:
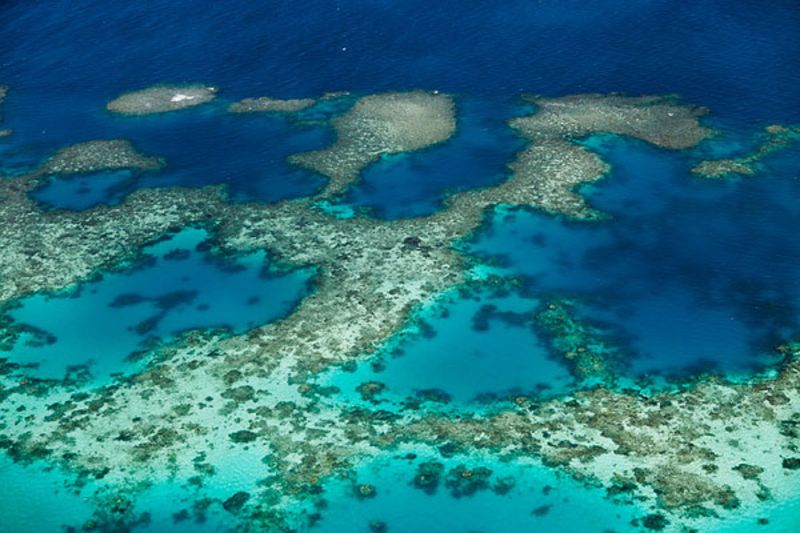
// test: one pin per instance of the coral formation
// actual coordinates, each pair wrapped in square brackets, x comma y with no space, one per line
[265,104]
[93,156]
[161,99]
[380,124]
[588,354]
[547,173]
[775,138]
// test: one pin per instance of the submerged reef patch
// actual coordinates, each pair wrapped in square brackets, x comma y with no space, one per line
[376,125]
[94,156]
[588,355]
[50,251]
[775,138]
[548,172]
[662,121]
[267,104]
[161,99]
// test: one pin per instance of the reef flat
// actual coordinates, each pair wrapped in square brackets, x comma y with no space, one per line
[553,166]
[267,104]
[94,156]
[704,449]
[380,124]
[47,253]
[775,138]
[161,99]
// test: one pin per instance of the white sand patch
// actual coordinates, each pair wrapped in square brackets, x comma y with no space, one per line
[181,97]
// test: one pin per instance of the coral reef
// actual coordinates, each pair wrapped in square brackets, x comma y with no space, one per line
[681,451]
[587,353]
[380,124]
[46,252]
[706,447]
[161,99]
[549,170]
[265,104]
[93,156]
[775,138]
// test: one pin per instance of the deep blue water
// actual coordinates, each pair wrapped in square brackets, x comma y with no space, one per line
[401,186]
[735,56]
[687,274]
[79,192]
[64,60]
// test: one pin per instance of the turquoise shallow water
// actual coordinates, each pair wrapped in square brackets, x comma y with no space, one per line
[28,490]
[176,287]
[539,501]
[467,347]
[31,488]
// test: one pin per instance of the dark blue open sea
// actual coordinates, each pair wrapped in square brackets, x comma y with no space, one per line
[688,275]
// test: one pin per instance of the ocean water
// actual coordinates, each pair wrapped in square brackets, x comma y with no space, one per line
[687,275]
[405,186]
[205,146]
[30,489]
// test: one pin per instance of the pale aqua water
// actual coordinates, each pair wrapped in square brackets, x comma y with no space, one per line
[30,490]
